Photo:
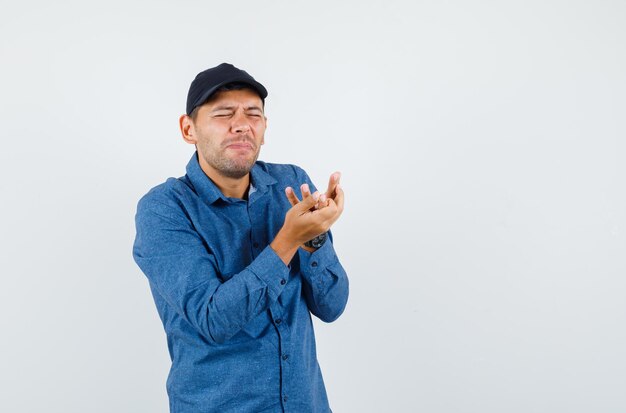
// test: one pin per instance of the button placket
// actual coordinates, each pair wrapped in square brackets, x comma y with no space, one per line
[284,359]
[258,222]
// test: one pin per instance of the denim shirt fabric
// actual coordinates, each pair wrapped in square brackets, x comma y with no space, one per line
[237,319]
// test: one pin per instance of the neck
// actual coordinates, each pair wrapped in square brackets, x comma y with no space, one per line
[230,187]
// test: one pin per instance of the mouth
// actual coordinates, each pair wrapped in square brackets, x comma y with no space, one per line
[240,146]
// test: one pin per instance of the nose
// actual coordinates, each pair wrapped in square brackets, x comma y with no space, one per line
[240,123]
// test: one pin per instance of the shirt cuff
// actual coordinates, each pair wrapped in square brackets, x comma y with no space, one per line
[270,269]
[312,263]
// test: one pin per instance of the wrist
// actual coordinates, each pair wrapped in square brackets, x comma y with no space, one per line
[318,241]
[308,249]
[284,247]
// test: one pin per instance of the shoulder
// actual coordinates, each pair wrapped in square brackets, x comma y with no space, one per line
[282,171]
[168,198]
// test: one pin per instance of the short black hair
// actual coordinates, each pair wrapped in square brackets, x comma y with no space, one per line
[228,86]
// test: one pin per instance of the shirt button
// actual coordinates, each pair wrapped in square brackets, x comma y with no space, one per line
[278,321]
[284,398]
[283,282]
[255,245]
[314,264]
[285,356]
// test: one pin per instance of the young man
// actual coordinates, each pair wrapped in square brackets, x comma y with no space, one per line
[238,255]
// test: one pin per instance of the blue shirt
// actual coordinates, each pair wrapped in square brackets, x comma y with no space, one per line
[237,319]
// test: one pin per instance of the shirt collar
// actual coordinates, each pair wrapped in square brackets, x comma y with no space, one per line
[209,192]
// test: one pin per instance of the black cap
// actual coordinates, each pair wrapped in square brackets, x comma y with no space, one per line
[207,82]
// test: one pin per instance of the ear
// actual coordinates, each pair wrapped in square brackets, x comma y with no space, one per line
[263,139]
[187,129]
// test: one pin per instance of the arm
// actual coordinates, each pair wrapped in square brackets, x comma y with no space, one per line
[325,282]
[184,272]
[325,285]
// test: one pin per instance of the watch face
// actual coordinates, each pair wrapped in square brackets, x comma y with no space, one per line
[319,240]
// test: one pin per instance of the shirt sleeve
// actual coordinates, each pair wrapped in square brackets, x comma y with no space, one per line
[325,285]
[325,282]
[184,272]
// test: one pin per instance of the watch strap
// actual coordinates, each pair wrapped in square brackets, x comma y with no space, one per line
[317,241]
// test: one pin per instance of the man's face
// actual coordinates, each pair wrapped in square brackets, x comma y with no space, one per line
[229,131]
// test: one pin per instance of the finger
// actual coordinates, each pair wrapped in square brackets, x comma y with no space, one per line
[339,198]
[291,196]
[308,202]
[306,191]
[327,214]
[332,183]
[321,202]
[334,212]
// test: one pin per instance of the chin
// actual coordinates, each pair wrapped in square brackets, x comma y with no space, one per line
[236,174]
[237,171]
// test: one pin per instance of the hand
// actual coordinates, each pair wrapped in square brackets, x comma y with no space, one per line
[311,217]
[333,184]
[304,222]
[331,192]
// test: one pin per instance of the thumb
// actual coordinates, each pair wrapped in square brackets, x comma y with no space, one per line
[308,202]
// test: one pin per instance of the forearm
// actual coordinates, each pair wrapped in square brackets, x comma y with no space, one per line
[325,282]
[246,294]
[284,247]
[216,309]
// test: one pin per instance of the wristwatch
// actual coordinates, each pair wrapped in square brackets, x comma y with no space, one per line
[317,241]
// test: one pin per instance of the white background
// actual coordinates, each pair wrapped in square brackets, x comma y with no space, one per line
[482,146]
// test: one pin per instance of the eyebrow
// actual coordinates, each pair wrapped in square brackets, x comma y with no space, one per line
[253,107]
